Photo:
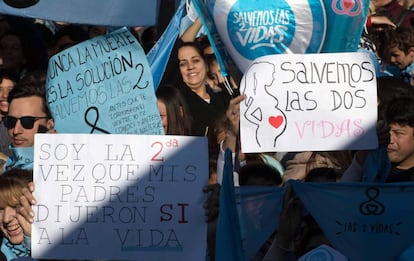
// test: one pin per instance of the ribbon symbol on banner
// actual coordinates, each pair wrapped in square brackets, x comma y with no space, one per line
[94,127]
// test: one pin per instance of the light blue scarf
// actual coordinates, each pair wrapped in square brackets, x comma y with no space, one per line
[20,158]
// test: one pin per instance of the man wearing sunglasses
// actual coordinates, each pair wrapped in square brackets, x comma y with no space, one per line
[28,114]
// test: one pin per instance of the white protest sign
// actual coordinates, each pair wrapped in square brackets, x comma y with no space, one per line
[119,197]
[301,102]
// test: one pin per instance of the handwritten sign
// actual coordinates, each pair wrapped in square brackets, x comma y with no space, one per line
[309,102]
[119,197]
[103,85]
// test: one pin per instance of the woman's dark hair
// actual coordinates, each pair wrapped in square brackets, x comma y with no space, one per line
[196,46]
[203,42]
[179,121]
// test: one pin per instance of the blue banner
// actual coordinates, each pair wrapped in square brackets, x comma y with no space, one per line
[363,221]
[96,12]
[355,217]
[248,216]
[228,236]
[259,215]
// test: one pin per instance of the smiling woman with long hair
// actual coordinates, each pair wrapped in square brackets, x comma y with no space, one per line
[205,105]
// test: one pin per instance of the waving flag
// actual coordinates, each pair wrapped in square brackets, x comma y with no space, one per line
[160,53]
[228,238]
[108,12]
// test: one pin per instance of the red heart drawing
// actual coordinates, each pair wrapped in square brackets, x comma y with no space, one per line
[348,4]
[276,121]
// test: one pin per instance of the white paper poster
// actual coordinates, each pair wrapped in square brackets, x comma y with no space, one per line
[309,102]
[119,197]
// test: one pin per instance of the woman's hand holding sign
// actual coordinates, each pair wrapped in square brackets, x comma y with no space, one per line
[233,118]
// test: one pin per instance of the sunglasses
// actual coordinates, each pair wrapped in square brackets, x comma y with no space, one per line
[27,122]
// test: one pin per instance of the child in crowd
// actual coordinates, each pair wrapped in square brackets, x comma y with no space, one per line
[401,49]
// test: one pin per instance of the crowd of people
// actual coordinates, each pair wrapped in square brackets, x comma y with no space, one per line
[194,99]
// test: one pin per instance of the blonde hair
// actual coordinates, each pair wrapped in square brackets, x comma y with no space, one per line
[11,184]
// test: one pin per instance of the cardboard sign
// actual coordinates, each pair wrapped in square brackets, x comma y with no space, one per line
[103,85]
[304,102]
[119,197]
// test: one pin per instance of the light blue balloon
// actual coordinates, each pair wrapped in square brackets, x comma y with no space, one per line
[253,29]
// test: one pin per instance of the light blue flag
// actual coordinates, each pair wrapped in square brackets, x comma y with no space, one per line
[363,221]
[103,85]
[97,12]
[260,209]
[212,34]
[228,238]
[160,53]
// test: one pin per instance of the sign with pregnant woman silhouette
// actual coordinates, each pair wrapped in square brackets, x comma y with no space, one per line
[299,102]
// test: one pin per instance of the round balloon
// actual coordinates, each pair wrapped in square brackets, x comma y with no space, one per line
[250,29]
